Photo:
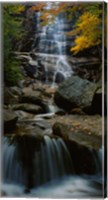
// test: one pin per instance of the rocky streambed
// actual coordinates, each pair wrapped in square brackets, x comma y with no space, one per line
[33,110]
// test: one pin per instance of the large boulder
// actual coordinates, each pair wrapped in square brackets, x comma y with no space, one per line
[76,92]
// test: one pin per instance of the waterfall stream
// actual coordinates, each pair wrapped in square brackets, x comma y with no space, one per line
[53,172]
[51,40]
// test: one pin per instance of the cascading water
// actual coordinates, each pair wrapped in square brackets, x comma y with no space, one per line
[52,41]
[12,169]
[53,172]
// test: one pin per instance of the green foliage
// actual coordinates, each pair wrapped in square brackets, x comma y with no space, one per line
[13,32]
[12,73]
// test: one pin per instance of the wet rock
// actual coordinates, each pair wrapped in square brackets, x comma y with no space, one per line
[76,92]
[10,120]
[31,108]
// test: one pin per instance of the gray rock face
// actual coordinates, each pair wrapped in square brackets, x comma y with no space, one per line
[76,93]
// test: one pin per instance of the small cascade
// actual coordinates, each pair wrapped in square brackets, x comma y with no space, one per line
[51,40]
[50,162]
[51,165]
[53,161]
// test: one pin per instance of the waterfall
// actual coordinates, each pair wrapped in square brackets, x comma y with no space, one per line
[53,161]
[53,171]
[52,41]
[50,162]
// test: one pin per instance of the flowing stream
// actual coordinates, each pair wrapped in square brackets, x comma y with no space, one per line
[54,174]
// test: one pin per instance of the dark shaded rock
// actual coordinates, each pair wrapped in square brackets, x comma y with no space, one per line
[75,93]
[27,146]
[59,77]
[84,139]
[30,70]
[82,158]
[27,190]
[97,102]
[31,108]
[10,120]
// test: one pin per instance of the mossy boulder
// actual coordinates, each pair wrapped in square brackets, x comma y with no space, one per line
[76,92]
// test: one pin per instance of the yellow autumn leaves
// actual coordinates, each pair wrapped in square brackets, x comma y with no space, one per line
[88,31]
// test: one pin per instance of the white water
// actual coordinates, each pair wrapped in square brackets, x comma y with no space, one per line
[52,40]
[52,162]
[66,187]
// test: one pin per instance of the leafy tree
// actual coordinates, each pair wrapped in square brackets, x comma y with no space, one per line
[88,32]
[13,32]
